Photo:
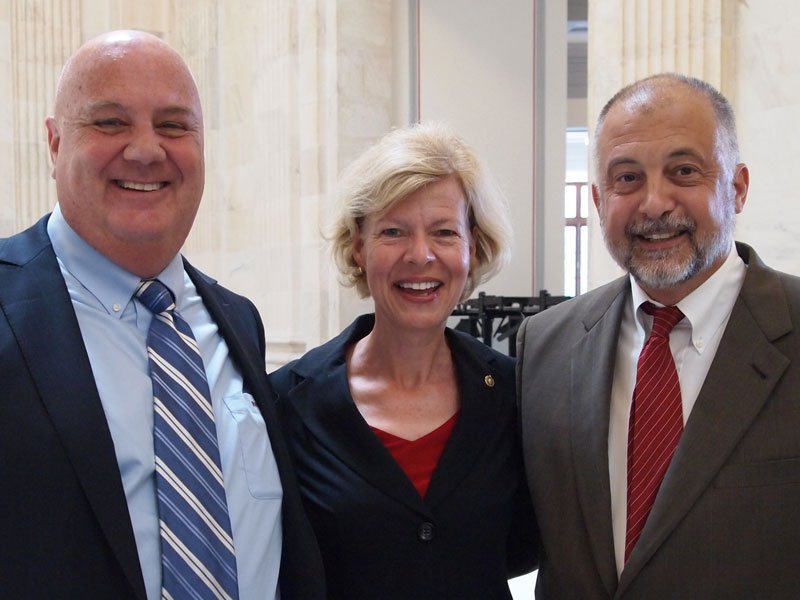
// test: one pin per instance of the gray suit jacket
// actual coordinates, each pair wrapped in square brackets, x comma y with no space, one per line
[726,522]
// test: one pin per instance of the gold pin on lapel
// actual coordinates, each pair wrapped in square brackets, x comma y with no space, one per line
[489,381]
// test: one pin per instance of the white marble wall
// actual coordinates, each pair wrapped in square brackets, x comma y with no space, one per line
[293,90]
[35,38]
[767,101]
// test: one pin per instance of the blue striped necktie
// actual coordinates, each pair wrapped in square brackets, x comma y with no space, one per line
[197,554]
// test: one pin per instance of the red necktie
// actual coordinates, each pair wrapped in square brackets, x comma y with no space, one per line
[656,421]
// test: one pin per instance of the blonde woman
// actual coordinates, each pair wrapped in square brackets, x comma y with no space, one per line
[402,430]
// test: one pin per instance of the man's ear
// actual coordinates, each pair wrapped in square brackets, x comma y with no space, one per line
[596,196]
[53,140]
[741,183]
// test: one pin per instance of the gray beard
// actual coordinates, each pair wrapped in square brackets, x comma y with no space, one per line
[664,269]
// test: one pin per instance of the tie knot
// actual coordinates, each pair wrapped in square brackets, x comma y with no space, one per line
[155,296]
[664,317]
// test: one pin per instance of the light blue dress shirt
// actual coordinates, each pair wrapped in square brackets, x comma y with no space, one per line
[114,328]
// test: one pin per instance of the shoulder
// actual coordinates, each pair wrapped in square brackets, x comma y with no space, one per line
[791,286]
[284,379]
[468,348]
[23,247]
[320,359]
[207,285]
[772,297]
[584,309]
[554,331]
[762,277]
[224,305]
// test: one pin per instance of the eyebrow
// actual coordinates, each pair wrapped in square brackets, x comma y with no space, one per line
[449,221]
[94,107]
[622,160]
[685,152]
[175,109]
[678,153]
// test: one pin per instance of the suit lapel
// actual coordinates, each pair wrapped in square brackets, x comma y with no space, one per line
[322,400]
[480,405]
[39,311]
[324,403]
[747,362]
[590,406]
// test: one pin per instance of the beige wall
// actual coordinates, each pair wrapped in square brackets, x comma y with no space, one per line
[766,96]
[292,90]
[476,72]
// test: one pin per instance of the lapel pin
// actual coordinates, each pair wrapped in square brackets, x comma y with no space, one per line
[489,381]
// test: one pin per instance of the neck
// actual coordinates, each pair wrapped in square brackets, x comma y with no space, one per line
[409,358]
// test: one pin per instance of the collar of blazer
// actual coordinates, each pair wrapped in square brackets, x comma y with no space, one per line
[322,400]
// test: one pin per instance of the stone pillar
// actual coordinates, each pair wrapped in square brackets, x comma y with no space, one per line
[42,35]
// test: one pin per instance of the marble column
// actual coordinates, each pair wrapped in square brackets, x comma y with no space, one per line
[40,36]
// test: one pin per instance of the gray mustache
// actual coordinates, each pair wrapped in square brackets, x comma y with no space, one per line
[668,224]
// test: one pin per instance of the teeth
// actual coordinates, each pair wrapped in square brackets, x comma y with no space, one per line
[140,187]
[427,285]
[660,236]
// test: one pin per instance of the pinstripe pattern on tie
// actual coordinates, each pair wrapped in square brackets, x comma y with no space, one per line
[656,421]
[197,554]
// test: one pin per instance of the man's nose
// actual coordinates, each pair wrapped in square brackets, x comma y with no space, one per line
[145,147]
[658,199]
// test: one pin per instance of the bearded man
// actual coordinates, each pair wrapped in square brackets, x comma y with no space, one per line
[660,412]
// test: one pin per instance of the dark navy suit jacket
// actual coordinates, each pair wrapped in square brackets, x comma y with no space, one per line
[64,521]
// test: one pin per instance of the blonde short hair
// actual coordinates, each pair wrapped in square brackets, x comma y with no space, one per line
[402,162]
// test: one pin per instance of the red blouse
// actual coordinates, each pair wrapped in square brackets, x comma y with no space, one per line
[418,458]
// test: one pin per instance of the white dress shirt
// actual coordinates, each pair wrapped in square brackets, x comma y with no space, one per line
[693,343]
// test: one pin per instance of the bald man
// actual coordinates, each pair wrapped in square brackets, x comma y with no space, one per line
[711,512]
[78,497]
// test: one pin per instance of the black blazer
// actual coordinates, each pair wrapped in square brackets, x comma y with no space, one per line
[64,521]
[379,538]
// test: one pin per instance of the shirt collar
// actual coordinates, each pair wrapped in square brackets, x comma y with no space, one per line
[707,308]
[111,285]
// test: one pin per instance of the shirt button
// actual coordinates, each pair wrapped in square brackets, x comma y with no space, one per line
[116,307]
[425,532]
